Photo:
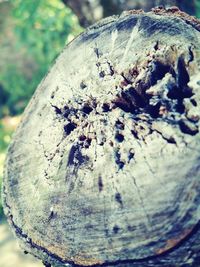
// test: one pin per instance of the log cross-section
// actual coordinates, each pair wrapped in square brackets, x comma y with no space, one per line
[104,168]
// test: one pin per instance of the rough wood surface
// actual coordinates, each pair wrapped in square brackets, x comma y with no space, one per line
[104,168]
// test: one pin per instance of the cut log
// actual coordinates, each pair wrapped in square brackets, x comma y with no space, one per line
[104,168]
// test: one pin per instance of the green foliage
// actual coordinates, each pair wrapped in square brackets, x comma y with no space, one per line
[197,6]
[43,26]
[41,29]
[5,136]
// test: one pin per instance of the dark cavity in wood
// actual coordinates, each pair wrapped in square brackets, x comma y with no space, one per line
[118,161]
[69,128]
[100,183]
[118,198]
[75,156]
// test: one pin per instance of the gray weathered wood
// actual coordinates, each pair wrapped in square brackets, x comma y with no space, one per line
[104,167]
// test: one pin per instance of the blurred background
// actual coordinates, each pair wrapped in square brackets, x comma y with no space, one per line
[32,34]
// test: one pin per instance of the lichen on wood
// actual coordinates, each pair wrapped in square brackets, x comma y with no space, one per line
[104,168]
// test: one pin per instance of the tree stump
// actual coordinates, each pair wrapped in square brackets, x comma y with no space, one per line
[104,168]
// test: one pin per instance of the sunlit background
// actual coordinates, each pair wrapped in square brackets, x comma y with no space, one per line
[32,34]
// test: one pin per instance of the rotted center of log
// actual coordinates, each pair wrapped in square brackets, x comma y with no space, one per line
[157,86]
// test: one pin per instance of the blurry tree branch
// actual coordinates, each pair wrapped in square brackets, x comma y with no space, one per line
[90,11]
[87,11]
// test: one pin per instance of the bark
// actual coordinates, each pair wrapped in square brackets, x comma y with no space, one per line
[90,11]
[104,168]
